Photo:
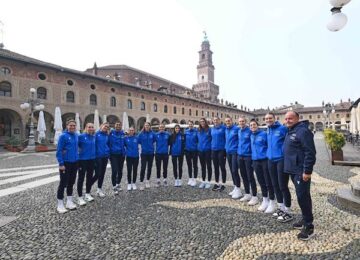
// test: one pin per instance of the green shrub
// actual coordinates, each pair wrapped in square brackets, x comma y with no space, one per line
[335,140]
[13,141]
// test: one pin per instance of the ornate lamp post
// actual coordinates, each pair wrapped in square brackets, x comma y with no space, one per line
[328,109]
[34,105]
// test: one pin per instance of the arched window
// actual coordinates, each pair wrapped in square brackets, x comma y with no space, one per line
[155,107]
[70,97]
[129,104]
[142,105]
[174,110]
[197,113]
[190,112]
[93,100]
[113,102]
[41,93]
[183,111]
[5,89]
[165,109]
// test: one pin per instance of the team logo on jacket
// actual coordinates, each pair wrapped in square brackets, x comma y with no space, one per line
[293,136]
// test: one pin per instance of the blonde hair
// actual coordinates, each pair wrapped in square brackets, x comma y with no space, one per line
[86,126]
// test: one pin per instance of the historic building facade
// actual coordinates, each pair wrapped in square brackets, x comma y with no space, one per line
[111,90]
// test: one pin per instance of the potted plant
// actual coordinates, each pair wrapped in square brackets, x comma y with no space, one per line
[13,144]
[336,141]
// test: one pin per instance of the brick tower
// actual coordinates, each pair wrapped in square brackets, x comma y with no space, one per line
[205,73]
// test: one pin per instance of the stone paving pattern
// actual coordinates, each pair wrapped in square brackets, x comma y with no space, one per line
[175,223]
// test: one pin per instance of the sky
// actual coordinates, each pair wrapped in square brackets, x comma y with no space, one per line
[266,53]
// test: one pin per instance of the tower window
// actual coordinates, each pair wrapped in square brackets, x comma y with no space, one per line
[93,100]
[113,102]
[129,104]
[203,56]
[142,106]
[70,97]
[165,109]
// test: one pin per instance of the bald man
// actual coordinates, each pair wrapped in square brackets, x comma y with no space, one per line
[299,159]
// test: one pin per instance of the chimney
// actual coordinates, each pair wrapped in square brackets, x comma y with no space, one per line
[95,69]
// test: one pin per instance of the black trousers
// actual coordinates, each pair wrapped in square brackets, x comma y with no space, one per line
[177,161]
[219,162]
[205,162]
[67,179]
[86,167]
[146,159]
[233,165]
[304,198]
[263,177]
[280,182]
[164,158]
[117,165]
[132,166]
[192,163]
[100,170]
[247,173]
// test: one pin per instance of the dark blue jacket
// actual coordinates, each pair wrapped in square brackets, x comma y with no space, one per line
[258,145]
[87,147]
[191,140]
[177,144]
[116,142]
[244,147]
[204,140]
[275,139]
[232,139]
[218,138]
[132,146]
[162,140]
[299,149]
[67,148]
[147,140]
[102,144]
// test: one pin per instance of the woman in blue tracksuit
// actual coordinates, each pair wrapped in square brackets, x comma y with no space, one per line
[132,158]
[87,155]
[218,153]
[146,140]
[117,156]
[67,157]
[231,146]
[102,155]
[162,140]
[275,137]
[204,149]
[245,163]
[177,148]
[191,153]
[258,154]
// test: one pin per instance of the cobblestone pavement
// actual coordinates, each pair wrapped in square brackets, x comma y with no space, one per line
[166,222]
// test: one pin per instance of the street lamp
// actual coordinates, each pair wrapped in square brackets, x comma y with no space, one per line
[34,105]
[328,109]
[338,19]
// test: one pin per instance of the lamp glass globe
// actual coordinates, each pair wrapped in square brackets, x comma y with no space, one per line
[337,22]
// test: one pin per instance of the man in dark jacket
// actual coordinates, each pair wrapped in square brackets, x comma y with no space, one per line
[299,159]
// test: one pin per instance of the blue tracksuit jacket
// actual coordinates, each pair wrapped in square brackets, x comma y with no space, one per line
[132,146]
[191,140]
[218,138]
[116,142]
[162,140]
[258,145]
[275,139]
[232,139]
[147,140]
[67,148]
[244,146]
[87,147]
[204,140]
[177,144]
[102,144]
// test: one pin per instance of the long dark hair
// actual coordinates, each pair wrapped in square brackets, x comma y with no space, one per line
[206,125]
[173,135]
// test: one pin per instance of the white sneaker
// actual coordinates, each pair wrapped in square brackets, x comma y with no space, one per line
[60,207]
[246,197]
[189,182]
[176,183]
[88,197]
[147,184]
[115,189]
[100,193]
[193,182]
[165,182]
[179,183]
[231,192]
[119,187]
[237,193]
[254,200]
[202,185]
[81,201]
[129,186]
[133,186]
[69,203]
[142,187]
[207,185]
[271,207]
[264,204]
[158,183]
